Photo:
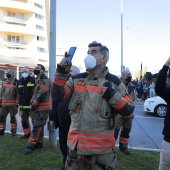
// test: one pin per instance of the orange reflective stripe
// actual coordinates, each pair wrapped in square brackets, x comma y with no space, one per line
[91,141]
[123,140]
[34,140]
[95,89]
[8,85]
[128,98]
[44,87]
[78,88]
[59,82]
[27,131]
[121,104]
[44,105]
[67,92]
[8,102]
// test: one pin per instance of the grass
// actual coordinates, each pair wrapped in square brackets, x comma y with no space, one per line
[12,157]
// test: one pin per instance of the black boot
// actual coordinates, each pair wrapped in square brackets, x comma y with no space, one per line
[39,145]
[25,136]
[124,148]
[13,133]
[28,151]
[1,132]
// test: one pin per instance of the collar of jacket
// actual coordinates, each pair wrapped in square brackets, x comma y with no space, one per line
[91,76]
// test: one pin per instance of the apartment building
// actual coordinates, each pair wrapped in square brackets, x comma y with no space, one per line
[23,34]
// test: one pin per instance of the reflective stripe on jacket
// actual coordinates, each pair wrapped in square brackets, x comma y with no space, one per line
[25,91]
[9,93]
[89,111]
[41,99]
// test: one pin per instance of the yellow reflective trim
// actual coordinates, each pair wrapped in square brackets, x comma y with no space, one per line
[30,84]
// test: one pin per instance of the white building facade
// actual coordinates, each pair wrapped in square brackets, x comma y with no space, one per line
[23,34]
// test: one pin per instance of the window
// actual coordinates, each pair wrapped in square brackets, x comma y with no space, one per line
[40,49]
[39,16]
[15,39]
[39,38]
[39,27]
[38,5]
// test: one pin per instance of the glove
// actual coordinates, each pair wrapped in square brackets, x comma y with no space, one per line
[108,90]
[107,84]
[31,107]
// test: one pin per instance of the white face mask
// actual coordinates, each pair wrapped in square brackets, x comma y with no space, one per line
[90,62]
[24,75]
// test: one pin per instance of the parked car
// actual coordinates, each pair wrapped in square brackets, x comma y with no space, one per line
[156,105]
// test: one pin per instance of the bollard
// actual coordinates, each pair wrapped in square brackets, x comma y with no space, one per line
[52,136]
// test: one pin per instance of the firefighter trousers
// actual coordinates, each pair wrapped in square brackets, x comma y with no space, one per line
[12,110]
[106,161]
[125,124]
[25,114]
[37,133]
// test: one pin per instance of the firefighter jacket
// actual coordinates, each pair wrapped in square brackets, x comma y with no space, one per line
[9,93]
[41,99]
[90,110]
[130,87]
[25,92]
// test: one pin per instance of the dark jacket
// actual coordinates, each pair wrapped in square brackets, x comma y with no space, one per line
[25,90]
[60,114]
[163,90]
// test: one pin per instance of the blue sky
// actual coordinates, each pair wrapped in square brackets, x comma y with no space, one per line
[79,22]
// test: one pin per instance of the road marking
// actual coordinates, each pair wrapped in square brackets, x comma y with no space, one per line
[149,117]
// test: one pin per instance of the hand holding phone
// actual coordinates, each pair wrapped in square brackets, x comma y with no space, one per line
[70,54]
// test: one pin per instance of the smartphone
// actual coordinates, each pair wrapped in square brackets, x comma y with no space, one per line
[70,54]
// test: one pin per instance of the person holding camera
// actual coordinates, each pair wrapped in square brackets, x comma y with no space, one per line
[93,94]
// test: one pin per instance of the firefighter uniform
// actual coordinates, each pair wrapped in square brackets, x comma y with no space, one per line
[8,102]
[25,91]
[90,140]
[41,105]
[125,123]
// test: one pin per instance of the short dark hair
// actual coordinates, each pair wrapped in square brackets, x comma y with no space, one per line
[42,67]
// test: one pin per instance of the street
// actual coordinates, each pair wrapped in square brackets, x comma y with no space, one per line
[146,130]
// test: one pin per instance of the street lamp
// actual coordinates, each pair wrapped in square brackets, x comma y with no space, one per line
[122,67]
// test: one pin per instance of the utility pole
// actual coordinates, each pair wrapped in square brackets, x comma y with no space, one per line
[52,64]
[122,67]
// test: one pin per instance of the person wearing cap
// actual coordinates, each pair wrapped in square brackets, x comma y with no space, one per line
[9,102]
[41,105]
[25,92]
[121,122]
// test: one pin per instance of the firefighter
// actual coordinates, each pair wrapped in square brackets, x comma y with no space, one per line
[125,123]
[40,104]
[93,94]
[25,92]
[9,102]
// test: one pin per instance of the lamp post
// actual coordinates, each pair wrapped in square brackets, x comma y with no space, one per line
[52,64]
[122,67]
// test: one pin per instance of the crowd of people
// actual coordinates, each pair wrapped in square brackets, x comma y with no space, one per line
[92,109]
[144,89]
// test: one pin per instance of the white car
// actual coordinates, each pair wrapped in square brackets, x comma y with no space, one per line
[156,105]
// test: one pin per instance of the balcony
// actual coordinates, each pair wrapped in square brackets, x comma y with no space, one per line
[15,20]
[21,0]
[15,45]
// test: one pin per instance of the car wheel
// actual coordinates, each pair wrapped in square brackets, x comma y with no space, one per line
[160,110]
